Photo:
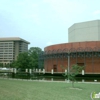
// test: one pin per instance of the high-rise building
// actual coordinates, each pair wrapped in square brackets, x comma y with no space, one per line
[11,47]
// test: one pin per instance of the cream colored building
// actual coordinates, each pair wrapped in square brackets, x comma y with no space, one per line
[85,31]
[11,47]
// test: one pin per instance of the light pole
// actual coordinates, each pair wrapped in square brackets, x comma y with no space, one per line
[68,65]
[68,61]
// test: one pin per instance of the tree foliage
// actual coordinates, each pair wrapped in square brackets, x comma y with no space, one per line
[1,64]
[23,60]
[34,56]
[13,64]
[75,70]
[35,50]
[28,59]
[7,65]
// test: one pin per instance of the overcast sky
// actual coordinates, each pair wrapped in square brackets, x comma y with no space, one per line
[44,22]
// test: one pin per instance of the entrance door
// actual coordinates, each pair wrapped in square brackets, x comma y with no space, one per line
[55,68]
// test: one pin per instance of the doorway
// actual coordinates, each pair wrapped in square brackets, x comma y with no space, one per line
[55,68]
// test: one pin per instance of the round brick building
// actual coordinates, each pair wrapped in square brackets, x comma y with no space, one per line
[82,53]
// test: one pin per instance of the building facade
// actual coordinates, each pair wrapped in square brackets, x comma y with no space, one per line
[85,31]
[82,53]
[10,48]
[83,49]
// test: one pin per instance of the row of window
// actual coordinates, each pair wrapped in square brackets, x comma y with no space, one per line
[6,46]
[12,48]
[4,43]
[6,51]
[6,55]
[7,58]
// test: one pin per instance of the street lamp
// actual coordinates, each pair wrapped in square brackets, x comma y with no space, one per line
[68,61]
[68,65]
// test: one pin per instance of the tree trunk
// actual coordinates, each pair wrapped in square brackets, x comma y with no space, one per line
[73,84]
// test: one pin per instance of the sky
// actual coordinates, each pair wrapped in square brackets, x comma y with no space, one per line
[44,22]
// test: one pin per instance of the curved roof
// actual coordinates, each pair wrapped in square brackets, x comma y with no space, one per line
[75,46]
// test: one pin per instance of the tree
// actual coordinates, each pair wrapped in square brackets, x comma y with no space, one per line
[75,70]
[34,56]
[13,64]
[7,65]
[27,60]
[36,50]
[1,64]
[23,60]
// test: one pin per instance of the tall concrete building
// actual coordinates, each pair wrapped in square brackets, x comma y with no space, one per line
[11,47]
[84,31]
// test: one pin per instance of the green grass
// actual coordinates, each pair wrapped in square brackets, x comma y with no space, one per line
[32,90]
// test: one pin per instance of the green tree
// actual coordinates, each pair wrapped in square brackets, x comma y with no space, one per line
[13,64]
[28,59]
[75,70]
[34,56]
[23,60]
[7,65]
[1,64]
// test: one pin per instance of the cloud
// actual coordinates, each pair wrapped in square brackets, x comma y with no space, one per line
[96,12]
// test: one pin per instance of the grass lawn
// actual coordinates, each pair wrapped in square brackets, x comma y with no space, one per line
[32,90]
